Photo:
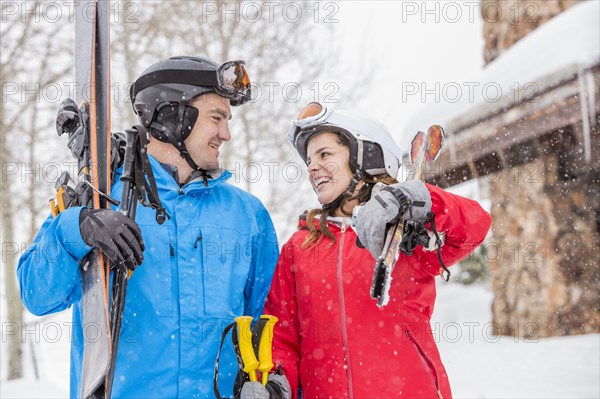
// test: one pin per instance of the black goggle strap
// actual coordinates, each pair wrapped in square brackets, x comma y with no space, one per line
[174,76]
[188,77]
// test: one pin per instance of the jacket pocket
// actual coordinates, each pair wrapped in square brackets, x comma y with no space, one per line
[226,265]
[427,363]
[150,289]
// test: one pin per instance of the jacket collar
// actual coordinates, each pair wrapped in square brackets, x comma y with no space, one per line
[165,180]
[333,226]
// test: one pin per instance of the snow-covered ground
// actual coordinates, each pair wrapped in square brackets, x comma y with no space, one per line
[480,364]
[28,388]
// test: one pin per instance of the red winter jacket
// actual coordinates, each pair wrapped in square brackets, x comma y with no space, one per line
[333,340]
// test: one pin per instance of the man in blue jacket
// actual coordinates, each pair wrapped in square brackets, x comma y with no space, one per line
[211,261]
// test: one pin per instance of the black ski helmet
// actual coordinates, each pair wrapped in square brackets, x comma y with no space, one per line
[161,95]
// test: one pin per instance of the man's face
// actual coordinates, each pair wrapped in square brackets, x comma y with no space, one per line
[210,131]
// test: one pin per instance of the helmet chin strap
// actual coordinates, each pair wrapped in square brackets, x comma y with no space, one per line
[336,203]
[356,177]
[179,144]
[188,158]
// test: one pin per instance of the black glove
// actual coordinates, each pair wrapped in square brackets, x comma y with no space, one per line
[68,117]
[73,120]
[115,235]
[118,142]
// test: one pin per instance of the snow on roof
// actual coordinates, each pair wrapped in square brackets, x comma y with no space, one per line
[557,50]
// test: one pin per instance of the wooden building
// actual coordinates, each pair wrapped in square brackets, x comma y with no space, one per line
[537,149]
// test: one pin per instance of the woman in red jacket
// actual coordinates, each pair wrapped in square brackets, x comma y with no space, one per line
[332,340]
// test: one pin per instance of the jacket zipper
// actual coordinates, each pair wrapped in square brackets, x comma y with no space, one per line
[343,313]
[431,371]
[198,243]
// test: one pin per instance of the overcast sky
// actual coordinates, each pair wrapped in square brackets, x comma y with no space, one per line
[412,44]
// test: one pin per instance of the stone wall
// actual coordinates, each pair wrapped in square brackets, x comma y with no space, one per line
[507,21]
[545,255]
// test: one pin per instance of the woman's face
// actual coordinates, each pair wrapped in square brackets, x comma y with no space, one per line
[328,166]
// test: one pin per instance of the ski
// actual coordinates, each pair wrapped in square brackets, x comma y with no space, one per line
[100,154]
[93,92]
[424,147]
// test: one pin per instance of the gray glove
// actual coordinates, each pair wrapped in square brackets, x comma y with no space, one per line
[277,387]
[254,390]
[407,201]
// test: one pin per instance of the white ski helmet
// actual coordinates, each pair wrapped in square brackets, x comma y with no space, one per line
[372,148]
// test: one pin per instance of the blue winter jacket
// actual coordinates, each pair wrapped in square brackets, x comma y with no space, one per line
[212,261]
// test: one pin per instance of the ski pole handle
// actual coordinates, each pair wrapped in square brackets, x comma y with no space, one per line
[246,349]
[265,349]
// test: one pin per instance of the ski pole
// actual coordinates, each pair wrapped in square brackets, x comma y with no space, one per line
[265,349]
[246,349]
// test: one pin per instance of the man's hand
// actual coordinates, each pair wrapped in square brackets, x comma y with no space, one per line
[115,235]
[408,201]
[278,387]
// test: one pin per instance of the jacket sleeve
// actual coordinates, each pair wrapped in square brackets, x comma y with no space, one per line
[48,272]
[462,221]
[265,250]
[282,303]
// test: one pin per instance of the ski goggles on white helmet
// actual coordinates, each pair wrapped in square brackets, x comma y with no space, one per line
[229,80]
[372,148]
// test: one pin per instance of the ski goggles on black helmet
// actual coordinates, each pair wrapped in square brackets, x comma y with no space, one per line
[229,80]
[234,82]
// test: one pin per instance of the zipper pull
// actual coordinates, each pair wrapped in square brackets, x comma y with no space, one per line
[171,249]
[344,226]
[197,239]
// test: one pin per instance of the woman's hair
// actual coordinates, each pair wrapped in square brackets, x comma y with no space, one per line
[364,194]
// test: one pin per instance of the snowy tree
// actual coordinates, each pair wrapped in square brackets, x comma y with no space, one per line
[30,67]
